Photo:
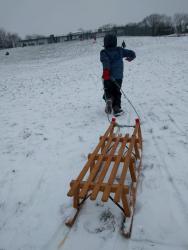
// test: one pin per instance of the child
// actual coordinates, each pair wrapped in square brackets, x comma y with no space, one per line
[112,60]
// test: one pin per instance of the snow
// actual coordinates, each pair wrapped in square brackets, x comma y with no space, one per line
[52,115]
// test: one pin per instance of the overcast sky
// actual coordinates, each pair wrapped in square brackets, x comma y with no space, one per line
[59,17]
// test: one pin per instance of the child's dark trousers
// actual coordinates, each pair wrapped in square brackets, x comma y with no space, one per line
[112,90]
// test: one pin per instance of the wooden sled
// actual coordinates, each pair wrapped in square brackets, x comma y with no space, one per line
[113,169]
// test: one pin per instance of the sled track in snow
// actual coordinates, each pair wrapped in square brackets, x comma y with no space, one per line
[161,159]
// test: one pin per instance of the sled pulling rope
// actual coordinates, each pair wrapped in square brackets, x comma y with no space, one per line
[113,169]
[130,103]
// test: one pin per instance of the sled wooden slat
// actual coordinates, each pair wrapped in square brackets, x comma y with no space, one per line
[106,158]
[87,165]
[102,187]
[136,150]
[132,169]
[121,139]
[126,206]
[96,168]
[106,171]
[126,166]
[112,177]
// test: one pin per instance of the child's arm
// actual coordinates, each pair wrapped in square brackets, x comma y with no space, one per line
[106,65]
[104,59]
[129,54]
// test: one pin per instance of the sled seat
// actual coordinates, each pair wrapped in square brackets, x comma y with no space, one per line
[111,172]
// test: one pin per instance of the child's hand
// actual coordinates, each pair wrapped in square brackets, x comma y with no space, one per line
[129,59]
[131,56]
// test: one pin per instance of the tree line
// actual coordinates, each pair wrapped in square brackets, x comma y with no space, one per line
[152,25]
[8,39]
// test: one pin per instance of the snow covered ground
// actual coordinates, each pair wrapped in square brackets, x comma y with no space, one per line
[51,116]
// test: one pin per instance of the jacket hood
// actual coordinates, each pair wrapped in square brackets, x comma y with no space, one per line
[110,41]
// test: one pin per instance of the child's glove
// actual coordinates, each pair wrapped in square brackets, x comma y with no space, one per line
[106,74]
[129,59]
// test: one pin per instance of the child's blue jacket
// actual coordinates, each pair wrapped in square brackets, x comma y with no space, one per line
[112,59]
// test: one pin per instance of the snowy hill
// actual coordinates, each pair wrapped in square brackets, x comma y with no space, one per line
[52,115]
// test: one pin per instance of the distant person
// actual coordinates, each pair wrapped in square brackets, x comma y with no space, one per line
[123,45]
[94,39]
[112,61]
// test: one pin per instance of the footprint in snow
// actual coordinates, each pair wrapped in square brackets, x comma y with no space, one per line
[80,138]
[20,206]
[13,124]
[83,156]
[148,166]
[104,226]
[150,130]
[2,206]
[171,154]
[183,142]
[26,133]
[29,153]
[165,127]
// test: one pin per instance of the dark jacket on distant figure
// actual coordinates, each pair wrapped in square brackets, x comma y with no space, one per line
[112,59]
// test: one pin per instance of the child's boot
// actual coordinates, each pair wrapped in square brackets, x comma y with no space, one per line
[108,108]
[117,111]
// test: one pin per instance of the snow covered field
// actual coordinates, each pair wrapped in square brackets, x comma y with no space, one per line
[51,116]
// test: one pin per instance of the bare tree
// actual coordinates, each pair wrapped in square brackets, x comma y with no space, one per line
[2,38]
[7,39]
[12,38]
[157,23]
[152,22]
[180,22]
[107,27]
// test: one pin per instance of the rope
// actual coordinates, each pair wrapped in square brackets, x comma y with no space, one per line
[125,96]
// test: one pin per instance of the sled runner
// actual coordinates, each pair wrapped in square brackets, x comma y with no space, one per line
[112,169]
